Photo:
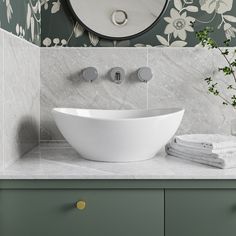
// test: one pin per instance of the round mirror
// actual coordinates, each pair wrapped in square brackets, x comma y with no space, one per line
[118,19]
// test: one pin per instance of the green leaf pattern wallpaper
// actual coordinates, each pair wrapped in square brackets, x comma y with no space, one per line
[50,23]
[22,18]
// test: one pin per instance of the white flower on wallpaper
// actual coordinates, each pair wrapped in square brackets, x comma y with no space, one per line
[219,6]
[56,42]
[47,42]
[9,10]
[179,23]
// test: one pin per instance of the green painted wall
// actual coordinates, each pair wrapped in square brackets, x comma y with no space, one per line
[22,18]
[60,29]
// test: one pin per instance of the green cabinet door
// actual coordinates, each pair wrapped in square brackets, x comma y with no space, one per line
[200,212]
[106,213]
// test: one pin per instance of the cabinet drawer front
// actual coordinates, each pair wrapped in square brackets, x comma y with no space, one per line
[105,213]
[200,212]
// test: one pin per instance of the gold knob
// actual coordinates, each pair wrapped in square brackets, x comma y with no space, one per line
[81,205]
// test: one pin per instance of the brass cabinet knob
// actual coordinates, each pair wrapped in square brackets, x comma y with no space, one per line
[81,205]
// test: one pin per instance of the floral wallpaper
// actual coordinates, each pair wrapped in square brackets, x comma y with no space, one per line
[50,23]
[22,18]
[175,29]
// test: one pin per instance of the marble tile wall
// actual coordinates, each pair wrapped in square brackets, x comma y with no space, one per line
[21,89]
[1,100]
[62,87]
[178,81]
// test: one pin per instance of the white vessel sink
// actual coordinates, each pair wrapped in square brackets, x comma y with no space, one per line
[118,135]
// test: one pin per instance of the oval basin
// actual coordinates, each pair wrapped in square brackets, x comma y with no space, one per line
[118,135]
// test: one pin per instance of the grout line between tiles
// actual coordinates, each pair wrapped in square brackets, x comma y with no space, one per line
[39,135]
[147,86]
[3,104]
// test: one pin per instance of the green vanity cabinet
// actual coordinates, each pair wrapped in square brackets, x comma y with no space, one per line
[108,212]
[117,207]
[200,212]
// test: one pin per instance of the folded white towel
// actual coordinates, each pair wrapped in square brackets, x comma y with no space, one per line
[207,141]
[203,152]
[215,150]
[222,162]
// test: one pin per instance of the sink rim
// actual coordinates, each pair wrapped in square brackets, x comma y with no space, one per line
[122,115]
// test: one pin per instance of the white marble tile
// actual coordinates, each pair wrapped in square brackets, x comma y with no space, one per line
[142,168]
[33,164]
[61,86]
[179,81]
[21,97]
[1,97]
[65,163]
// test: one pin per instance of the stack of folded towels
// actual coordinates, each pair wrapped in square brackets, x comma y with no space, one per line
[210,149]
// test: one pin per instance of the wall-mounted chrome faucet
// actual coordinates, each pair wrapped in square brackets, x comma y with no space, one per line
[117,75]
[144,74]
[89,74]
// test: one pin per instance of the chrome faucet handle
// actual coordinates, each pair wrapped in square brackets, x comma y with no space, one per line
[117,75]
[90,74]
[144,74]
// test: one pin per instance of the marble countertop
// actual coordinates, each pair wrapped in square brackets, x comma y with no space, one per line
[62,162]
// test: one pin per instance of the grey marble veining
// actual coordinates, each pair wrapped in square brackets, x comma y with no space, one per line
[60,162]
[1,97]
[21,97]
[62,87]
[179,81]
